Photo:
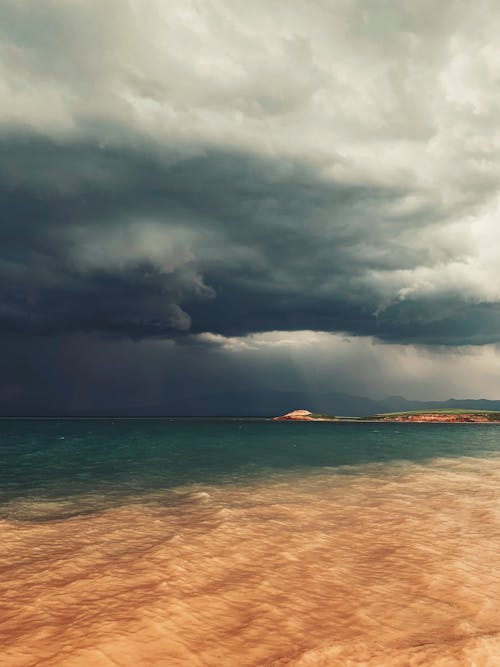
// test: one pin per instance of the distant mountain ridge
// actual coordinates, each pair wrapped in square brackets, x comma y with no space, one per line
[400,404]
[269,403]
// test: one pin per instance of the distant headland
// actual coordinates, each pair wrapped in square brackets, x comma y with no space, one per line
[425,417]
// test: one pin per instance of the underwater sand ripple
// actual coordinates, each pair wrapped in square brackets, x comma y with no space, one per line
[390,566]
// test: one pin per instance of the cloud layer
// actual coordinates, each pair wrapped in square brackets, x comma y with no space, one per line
[172,169]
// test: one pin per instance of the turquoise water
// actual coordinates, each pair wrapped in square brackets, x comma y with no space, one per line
[45,459]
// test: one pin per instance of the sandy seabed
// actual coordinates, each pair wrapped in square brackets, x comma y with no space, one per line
[383,565]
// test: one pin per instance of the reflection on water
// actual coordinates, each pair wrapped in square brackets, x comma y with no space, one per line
[394,565]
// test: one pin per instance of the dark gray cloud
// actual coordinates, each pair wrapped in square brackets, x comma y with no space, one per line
[126,243]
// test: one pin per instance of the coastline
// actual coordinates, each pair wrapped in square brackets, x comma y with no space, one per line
[427,417]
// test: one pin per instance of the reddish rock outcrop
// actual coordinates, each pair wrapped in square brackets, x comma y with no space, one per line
[296,416]
[448,418]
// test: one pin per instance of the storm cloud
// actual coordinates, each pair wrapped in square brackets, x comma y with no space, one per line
[170,170]
[125,243]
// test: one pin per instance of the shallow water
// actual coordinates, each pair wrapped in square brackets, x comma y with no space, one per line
[167,543]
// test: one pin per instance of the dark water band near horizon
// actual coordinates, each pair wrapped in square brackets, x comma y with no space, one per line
[205,542]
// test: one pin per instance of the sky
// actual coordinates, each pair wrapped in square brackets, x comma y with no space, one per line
[213,195]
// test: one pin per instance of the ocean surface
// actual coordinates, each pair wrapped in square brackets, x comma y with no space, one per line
[245,543]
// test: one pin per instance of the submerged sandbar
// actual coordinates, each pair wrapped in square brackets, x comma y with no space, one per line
[391,566]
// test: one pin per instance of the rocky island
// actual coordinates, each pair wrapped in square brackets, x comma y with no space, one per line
[427,417]
[304,416]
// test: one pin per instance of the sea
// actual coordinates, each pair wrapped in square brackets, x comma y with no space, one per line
[205,542]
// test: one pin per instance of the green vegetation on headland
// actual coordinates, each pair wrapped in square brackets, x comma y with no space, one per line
[459,415]
[441,411]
